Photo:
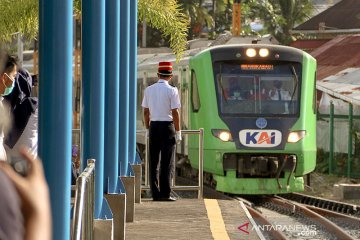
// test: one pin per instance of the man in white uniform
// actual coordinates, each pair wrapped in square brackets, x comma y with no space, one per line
[280,94]
[161,103]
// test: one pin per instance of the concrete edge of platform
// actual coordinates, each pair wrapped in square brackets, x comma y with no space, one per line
[347,191]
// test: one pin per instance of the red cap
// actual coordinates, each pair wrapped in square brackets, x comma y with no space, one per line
[165,68]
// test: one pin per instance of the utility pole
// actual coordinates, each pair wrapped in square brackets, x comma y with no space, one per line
[236,18]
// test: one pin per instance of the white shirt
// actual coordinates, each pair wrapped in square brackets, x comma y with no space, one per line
[28,139]
[2,149]
[161,98]
[284,95]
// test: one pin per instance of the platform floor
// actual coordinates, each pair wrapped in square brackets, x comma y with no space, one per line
[187,219]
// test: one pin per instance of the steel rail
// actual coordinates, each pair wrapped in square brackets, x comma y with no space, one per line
[83,216]
[247,206]
[323,203]
[329,226]
[331,214]
[263,220]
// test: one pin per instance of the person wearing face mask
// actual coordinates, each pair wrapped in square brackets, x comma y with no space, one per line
[7,83]
[25,211]
[8,76]
[24,110]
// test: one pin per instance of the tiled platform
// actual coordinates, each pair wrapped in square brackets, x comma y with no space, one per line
[190,219]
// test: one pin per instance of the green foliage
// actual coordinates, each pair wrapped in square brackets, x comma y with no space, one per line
[168,18]
[198,16]
[77,7]
[322,161]
[18,16]
[280,16]
[222,15]
[23,16]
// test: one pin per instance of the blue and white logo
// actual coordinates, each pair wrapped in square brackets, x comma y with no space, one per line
[261,123]
[260,138]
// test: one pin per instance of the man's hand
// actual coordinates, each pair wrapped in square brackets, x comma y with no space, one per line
[178,137]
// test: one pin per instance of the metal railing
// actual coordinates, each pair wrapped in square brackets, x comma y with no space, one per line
[198,187]
[83,216]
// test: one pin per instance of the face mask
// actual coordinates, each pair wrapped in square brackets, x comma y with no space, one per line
[8,90]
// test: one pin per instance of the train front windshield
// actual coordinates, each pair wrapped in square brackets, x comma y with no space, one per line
[257,89]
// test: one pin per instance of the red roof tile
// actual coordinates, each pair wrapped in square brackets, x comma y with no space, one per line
[339,53]
[308,44]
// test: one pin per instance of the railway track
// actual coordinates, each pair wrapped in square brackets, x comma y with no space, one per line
[280,218]
[335,206]
[298,216]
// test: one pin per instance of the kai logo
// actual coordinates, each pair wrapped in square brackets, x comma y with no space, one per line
[260,138]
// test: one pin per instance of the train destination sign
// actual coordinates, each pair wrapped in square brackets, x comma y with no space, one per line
[257,67]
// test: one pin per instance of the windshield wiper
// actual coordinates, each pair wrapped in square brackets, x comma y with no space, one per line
[296,79]
[220,84]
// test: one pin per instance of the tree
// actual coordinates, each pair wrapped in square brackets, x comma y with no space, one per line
[198,16]
[23,16]
[167,17]
[221,13]
[18,16]
[280,16]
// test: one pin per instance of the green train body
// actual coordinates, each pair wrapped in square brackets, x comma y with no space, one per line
[254,142]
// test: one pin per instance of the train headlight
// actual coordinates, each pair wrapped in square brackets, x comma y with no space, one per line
[250,52]
[296,136]
[264,52]
[223,135]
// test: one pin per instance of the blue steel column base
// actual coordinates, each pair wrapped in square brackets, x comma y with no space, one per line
[103,227]
[105,210]
[120,188]
[137,159]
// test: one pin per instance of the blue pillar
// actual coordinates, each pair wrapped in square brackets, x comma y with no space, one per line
[55,107]
[133,81]
[124,87]
[93,91]
[112,47]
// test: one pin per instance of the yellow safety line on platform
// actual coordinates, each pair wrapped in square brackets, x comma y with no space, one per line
[217,225]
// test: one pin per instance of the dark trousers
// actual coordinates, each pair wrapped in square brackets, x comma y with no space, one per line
[161,145]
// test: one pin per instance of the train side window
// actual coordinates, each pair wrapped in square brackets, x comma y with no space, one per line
[195,99]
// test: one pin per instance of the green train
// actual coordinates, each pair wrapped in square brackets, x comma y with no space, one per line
[257,106]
